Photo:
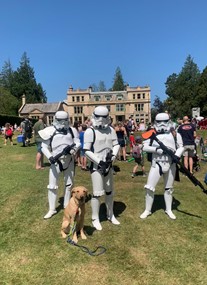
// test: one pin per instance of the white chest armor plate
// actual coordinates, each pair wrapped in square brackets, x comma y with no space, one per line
[103,142]
[60,141]
[168,141]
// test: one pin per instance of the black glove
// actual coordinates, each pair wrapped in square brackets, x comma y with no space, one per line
[175,159]
[102,167]
[52,160]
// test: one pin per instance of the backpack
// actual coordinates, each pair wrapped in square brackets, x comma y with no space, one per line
[136,151]
[28,127]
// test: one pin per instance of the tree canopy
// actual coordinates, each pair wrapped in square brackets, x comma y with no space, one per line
[182,90]
[19,82]
[118,83]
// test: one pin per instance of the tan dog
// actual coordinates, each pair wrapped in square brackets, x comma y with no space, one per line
[73,220]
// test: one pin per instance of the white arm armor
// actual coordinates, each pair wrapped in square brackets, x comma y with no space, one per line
[180,148]
[115,151]
[45,147]
[88,142]
[47,133]
[76,139]
[92,157]
[149,148]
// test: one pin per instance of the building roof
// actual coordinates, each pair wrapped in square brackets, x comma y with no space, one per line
[42,107]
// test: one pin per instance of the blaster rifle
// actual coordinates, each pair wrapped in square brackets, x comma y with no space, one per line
[65,151]
[182,168]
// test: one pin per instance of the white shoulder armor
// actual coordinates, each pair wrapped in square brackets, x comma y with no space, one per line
[47,133]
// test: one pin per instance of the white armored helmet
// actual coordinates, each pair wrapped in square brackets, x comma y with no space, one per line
[100,117]
[61,121]
[162,123]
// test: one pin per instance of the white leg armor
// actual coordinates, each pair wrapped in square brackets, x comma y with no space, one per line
[95,206]
[52,196]
[68,179]
[149,199]
[153,178]
[109,198]
[109,208]
[168,181]
[168,203]
[67,196]
[52,191]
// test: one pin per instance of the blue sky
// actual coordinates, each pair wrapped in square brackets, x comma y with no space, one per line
[81,42]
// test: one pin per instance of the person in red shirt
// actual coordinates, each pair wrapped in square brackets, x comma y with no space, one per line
[131,141]
[8,133]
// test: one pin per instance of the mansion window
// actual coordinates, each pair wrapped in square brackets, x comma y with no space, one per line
[119,107]
[50,120]
[78,99]
[139,107]
[73,98]
[133,96]
[138,96]
[97,98]
[143,95]
[78,110]
[108,97]
[119,97]
[82,98]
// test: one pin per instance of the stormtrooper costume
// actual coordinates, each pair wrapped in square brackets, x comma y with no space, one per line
[99,140]
[162,163]
[55,139]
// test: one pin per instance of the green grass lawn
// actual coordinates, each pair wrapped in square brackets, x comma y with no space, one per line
[153,251]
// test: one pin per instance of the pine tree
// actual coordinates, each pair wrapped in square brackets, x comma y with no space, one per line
[118,84]
[24,82]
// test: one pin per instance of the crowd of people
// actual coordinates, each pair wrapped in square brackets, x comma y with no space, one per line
[95,144]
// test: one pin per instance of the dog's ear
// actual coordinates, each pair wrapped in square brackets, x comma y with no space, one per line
[73,191]
[85,191]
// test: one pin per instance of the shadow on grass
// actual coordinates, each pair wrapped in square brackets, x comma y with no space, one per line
[119,207]
[159,203]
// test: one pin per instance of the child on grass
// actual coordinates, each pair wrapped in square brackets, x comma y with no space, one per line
[131,141]
[137,154]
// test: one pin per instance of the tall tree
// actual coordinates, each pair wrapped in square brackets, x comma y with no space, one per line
[182,89]
[201,98]
[157,107]
[9,103]
[24,82]
[118,83]
[101,86]
[6,75]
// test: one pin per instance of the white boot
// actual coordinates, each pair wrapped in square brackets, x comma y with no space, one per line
[168,203]
[52,195]
[66,197]
[95,206]
[149,198]
[109,209]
